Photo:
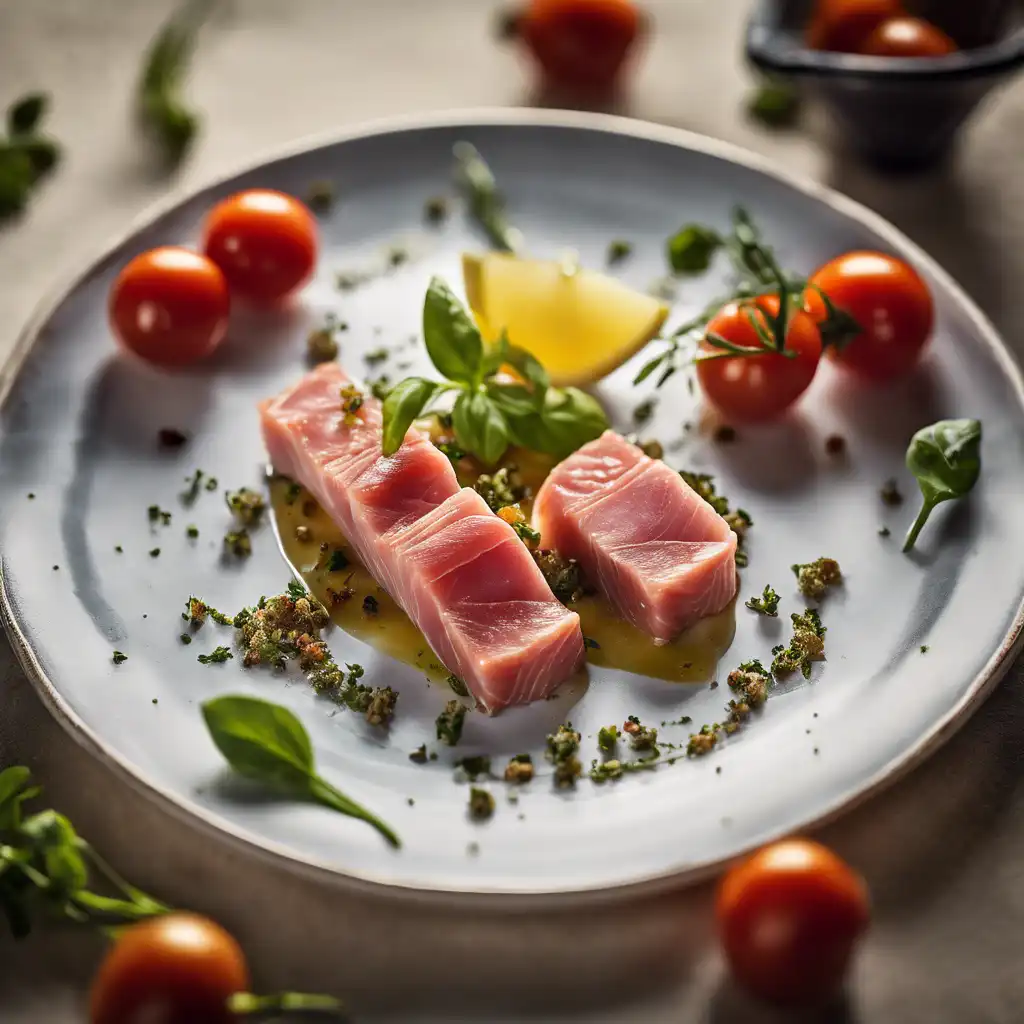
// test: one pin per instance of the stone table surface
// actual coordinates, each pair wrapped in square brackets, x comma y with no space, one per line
[941,850]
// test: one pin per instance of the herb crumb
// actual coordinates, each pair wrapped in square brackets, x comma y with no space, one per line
[924,648]
[371,606]
[216,657]
[884,532]
[519,769]
[320,196]
[618,250]
[890,493]
[450,722]
[766,604]
[154,552]
[435,209]
[185,639]
[814,578]
[562,747]
[171,437]
[119,658]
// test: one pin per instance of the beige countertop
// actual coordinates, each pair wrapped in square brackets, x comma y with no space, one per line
[942,850]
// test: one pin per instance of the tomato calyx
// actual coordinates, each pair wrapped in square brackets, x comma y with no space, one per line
[839,327]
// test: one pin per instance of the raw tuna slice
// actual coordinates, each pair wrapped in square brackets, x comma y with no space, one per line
[657,551]
[460,573]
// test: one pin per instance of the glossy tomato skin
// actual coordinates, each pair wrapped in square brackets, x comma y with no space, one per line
[265,243]
[177,969]
[889,300]
[845,25]
[753,389]
[908,37]
[170,306]
[789,920]
[580,44]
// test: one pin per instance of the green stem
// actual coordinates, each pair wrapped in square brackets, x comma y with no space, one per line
[322,791]
[922,518]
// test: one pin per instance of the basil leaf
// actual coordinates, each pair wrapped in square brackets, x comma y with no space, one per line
[42,153]
[13,781]
[513,400]
[775,104]
[495,355]
[572,419]
[16,178]
[452,338]
[266,742]
[529,367]
[24,115]
[945,458]
[260,740]
[404,402]
[691,248]
[480,426]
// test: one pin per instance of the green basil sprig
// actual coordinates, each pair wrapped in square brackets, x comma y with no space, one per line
[160,105]
[488,415]
[266,742]
[45,865]
[945,458]
[26,156]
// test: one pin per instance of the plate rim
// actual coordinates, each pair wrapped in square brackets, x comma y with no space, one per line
[280,856]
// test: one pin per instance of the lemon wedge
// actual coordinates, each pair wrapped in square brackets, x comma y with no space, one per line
[580,324]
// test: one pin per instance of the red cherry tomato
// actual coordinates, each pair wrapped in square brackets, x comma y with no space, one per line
[889,301]
[170,306]
[178,969]
[789,919]
[844,25]
[755,388]
[580,44]
[908,37]
[265,243]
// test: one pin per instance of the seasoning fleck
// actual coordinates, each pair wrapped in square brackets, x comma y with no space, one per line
[890,493]
[835,445]
[171,437]
[370,605]
[216,657]
[618,250]
[154,553]
[119,657]
[481,804]
[435,209]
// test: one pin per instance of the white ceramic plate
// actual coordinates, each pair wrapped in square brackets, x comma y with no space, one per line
[79,429]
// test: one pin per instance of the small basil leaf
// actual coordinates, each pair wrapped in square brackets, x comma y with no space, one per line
[260,740]
[775,104]
[266,742]
[513,399]
[13,781]
[691,248]
[530,368]
[16,178]
[480,426]
[24,115]
[42,152]
[452,338]
[572,419]
[945,458]
[405,401]
[495,356]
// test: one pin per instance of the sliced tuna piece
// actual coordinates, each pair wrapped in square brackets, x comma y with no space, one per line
[656,550]
[459,572]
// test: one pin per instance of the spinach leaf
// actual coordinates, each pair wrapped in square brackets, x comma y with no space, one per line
[266,742]
[452,338]
[405,401]
[691,248]
[480,426]
[945,458]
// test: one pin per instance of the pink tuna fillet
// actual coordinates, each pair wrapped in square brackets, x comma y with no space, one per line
[459,572]
[656,550]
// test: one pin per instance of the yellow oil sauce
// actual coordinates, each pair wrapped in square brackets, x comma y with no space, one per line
[309,538]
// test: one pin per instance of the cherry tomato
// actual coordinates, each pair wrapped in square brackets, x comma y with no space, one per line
[789,919]
[908,37]
[890,302]
[178,969]
[265,243]
[580,44]
[756,388]
[844,25]
[170,306]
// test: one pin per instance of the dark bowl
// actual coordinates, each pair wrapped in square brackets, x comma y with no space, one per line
[896,112]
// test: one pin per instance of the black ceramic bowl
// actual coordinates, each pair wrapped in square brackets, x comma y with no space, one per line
[896,112]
